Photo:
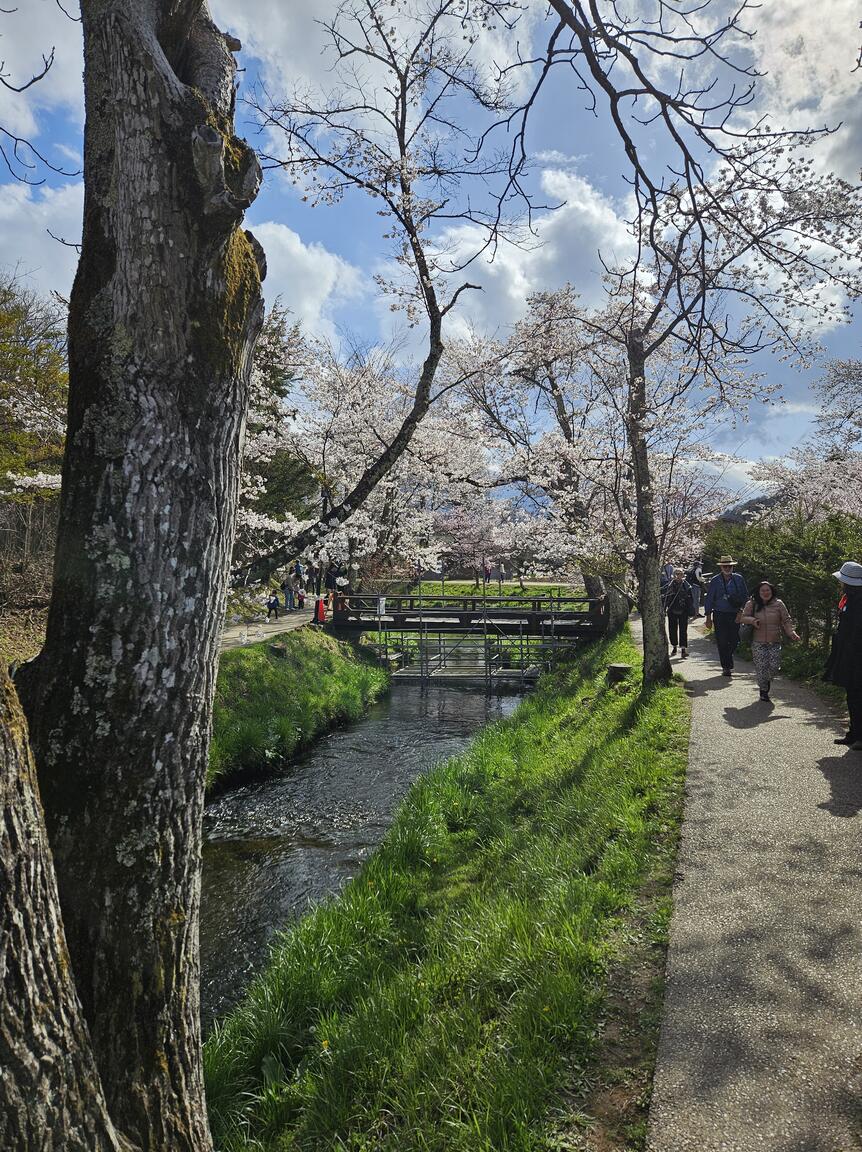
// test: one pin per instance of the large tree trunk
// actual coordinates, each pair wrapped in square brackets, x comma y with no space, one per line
[50,1096]
[656,665]
[165,308]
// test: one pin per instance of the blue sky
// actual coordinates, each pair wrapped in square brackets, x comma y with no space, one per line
[321,260]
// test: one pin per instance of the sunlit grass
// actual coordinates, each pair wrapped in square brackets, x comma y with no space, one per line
[268,706]
[436,1003]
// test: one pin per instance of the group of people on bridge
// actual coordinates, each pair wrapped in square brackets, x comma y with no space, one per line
[762,617]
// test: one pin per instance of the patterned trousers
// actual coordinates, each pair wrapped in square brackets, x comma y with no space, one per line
[767,662]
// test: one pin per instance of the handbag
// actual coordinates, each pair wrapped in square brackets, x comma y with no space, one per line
[746,631]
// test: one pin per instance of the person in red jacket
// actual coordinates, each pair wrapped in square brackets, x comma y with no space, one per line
[844,666]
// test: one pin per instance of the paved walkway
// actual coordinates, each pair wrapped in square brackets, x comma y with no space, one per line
[761,1043]
[238,635]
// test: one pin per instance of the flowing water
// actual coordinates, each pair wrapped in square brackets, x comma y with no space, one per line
[276,846]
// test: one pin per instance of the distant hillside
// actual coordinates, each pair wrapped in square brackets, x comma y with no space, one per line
[744,512]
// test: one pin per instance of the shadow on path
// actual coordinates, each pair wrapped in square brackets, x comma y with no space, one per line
[843,773]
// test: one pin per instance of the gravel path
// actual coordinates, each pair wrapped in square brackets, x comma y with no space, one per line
[761,1043]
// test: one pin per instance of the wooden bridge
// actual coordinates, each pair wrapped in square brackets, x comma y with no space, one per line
[474,639]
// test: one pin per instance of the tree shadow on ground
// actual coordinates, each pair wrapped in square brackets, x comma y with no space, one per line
[843,774]
[755,1014]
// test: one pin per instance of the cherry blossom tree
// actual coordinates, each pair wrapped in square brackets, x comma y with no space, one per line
[346,405]
[394,127]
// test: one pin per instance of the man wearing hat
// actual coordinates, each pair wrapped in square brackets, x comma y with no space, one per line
[844,666]
[725,598]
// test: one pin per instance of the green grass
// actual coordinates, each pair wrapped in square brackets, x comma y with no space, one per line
[440,1002]
[510,590]
[268,706]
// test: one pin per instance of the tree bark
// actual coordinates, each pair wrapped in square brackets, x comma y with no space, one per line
[165,309]
[656,663]
[51,1099]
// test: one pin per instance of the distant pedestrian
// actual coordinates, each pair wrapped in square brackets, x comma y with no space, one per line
[287,589]
[725,598]
[665,576]
[299,574]
[844,666]
[330,581]
[486,572]
[694,576]
[676,599]
[771,622]
[272,605]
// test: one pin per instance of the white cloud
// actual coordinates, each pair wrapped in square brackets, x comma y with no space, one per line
[27,33]
[808,52]
[566,249]
[289,40]
[312,281]
[26,214]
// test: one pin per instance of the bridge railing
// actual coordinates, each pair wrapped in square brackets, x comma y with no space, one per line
[360,604]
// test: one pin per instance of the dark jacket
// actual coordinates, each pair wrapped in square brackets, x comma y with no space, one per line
[677,598]
[844,666]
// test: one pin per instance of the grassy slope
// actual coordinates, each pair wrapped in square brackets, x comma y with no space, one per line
[267,707]
[450,998]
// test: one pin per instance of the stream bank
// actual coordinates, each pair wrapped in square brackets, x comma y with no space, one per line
[274,698]
[275,846]
[452,995]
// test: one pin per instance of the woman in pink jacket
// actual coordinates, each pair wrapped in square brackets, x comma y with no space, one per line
[771,622]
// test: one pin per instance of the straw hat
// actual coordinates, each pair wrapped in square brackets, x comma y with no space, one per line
[726,560]
[850,573]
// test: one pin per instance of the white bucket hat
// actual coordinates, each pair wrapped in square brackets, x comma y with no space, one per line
[850,573]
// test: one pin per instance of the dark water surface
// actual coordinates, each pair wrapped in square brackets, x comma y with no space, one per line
[278,845]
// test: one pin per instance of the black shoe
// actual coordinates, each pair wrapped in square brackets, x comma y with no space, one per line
[673,651]
[726,672]
[848,739]
[764,696]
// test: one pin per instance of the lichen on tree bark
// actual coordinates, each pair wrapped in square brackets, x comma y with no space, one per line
[164,312]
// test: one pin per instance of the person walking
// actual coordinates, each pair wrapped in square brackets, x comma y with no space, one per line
[287,589]
[844,666]
[726,595]
[770,621]
[694,576]
[330,582]
[677,604]
[272,605]
[665,576]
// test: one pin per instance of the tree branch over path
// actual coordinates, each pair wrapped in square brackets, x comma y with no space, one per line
[395,131]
